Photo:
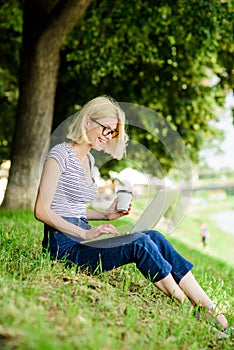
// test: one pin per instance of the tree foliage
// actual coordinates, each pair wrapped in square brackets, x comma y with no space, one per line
[11,22]
[45,26]
[162,54]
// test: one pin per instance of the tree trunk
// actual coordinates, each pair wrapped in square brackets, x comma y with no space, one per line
[33,126]
[45,28]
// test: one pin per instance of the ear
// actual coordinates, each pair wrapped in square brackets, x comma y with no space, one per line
[86,121]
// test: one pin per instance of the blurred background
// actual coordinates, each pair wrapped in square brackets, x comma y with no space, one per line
[175,58]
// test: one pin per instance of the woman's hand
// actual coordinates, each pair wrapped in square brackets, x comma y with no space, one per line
[98,231]
[112,213]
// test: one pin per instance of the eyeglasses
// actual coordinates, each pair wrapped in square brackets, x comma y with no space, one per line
[106,130]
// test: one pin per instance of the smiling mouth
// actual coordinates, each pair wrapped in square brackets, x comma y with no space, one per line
[101,141]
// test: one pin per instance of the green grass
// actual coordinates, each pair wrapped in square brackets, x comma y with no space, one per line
[219,243]
[43,305]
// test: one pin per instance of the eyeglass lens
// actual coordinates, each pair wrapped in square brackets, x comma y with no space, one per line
[107,131]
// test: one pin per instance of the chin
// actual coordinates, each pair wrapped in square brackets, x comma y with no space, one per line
[98,147]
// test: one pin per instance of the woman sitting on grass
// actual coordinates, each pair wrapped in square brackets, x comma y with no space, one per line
[67,186]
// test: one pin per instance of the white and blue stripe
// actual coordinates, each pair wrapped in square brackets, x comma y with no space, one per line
[73,192]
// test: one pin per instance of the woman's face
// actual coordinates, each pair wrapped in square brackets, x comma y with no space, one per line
[100,131]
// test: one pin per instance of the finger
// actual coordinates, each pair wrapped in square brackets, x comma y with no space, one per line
[114,232]
[111,230]
[107,228]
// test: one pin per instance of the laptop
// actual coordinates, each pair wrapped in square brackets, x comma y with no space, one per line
[149,218]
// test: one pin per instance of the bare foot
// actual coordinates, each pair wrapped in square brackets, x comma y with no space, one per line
[212,312]
[220,319]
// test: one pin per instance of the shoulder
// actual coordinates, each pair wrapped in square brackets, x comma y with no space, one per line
[61,149]
[60,153]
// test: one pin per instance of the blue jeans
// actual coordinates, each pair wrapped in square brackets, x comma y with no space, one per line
[153,255]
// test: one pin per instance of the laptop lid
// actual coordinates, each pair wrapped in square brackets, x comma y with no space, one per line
[155,209]
[151,215]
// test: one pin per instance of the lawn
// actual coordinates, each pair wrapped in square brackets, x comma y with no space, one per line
[44,305]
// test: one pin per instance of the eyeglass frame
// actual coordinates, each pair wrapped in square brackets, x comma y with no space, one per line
[111,132]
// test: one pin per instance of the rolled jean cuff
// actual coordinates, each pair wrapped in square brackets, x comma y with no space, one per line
[180,274]
[176,275]
[158,276]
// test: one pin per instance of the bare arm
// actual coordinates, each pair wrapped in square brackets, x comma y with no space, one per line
[43,212]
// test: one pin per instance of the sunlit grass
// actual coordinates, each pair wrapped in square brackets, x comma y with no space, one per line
[43,305]
[219,243]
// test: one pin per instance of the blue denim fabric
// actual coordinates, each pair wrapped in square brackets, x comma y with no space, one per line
[153,255]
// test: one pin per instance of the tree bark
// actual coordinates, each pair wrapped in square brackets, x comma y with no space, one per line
[46,25]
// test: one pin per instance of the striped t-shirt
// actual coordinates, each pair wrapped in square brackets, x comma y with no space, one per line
[73,192]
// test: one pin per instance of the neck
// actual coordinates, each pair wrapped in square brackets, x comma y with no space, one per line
[81,150]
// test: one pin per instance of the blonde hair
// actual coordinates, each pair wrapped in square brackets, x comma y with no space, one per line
[101,107]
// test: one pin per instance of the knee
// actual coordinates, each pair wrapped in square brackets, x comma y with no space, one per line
[145,239]
[152,242]
[155,235]
[144,245]
[159,239]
